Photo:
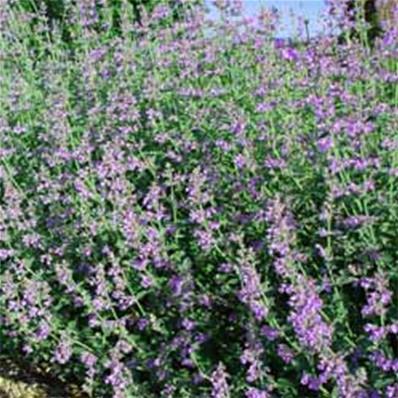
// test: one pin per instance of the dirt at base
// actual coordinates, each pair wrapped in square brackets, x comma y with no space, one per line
[18,381]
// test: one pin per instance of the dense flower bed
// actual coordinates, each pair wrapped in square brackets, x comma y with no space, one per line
[195,209]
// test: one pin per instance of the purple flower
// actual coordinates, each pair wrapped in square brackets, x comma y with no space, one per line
[63,351]
[383,362]
[240,161]
[290,54]
[142,324]
[251,357]
[376,333]
[312,382]
[117,378]
[275,164]
[392,391]
[378,295]
[205,239]
[251,292]
[306,319]
[5,254]
[253,392]
[357,221]
[43,331]
[280,236]
[89,360]
[324,144]
[188,324]
[219,383]
[270,333]
[285,353]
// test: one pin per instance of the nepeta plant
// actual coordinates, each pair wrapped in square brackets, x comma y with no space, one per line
[194,208]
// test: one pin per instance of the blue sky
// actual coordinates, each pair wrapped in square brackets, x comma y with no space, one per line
[309,9]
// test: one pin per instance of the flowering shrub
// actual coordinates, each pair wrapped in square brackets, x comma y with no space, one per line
[197,209]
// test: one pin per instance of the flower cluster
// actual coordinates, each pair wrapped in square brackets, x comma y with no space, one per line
[192,207]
